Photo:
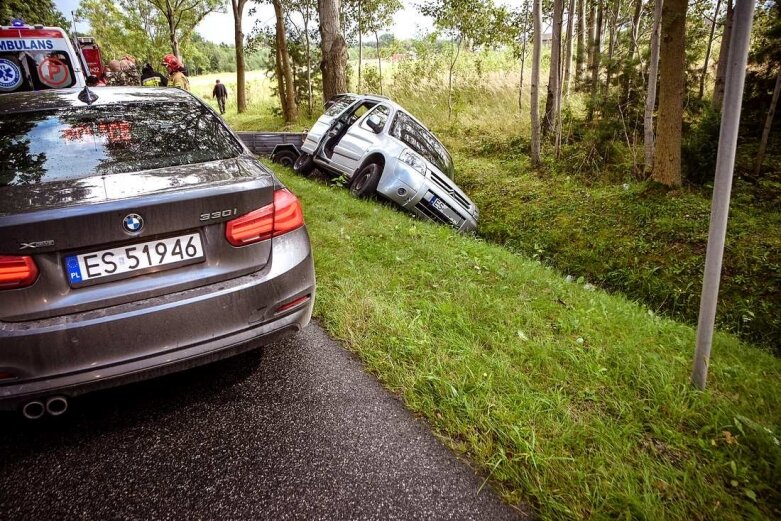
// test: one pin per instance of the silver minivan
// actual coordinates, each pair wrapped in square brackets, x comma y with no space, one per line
[381,148]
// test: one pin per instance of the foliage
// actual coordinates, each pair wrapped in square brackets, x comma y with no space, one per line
[41,12]
[182,16]
[134,27]
[297,52]
[567,399]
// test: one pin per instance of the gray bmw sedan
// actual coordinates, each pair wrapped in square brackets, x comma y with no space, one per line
[138,237]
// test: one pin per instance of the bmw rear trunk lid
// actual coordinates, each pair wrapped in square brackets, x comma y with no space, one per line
[103,230]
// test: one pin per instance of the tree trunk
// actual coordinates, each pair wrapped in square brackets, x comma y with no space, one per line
[650,100]
[721,68]
[308,65]
[768,125]
[591,23]
[611,47]
[450,79]
[360,46]
[334,48]
[379,58]
[627,80]
[169,16]
[708,49]
[553,98]
[597,58]
[672,70]
[241,90]
[523,66]
[288,92]
[568,48]
[580,52]
[535,87]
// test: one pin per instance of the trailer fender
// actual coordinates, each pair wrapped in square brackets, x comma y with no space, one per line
[285,154]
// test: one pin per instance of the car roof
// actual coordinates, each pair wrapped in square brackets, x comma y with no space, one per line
[67,98]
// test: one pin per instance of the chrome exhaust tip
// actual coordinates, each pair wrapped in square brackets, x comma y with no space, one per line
[33,410]
[56,405]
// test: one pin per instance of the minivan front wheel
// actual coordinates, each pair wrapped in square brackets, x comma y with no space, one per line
[304,164]
[364,183]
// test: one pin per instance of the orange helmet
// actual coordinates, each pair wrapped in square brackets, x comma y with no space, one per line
[172,63]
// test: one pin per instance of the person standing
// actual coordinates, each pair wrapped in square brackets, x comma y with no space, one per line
[221,93]
[152,78]
[176,76]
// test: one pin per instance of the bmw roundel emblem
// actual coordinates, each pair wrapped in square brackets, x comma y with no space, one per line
[133,223]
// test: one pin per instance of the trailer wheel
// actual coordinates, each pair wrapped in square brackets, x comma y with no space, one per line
[286,158]
[304,164]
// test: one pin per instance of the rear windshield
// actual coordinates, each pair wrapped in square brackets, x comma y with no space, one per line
[56,145]
[35,70]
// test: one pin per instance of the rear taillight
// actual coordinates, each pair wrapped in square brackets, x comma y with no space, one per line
[282,216]
[17,272]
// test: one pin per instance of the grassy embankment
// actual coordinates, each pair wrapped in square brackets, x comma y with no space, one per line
[569,399]
[608,228]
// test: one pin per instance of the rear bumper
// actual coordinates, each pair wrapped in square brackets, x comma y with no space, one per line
[83,352]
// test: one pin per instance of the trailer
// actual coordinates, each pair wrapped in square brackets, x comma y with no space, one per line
[282,147]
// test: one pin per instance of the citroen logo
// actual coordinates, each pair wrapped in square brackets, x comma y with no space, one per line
[133,223]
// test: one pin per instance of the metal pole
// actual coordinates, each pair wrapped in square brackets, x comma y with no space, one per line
[722,187]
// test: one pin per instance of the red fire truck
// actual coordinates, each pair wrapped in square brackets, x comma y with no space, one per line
[39,58]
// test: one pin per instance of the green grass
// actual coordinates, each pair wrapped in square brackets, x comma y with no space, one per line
[630,237]
[568,399]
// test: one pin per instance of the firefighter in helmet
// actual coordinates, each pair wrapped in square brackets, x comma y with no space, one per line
[176,76]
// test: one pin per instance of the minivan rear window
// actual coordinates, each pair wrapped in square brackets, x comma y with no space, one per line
[76,142]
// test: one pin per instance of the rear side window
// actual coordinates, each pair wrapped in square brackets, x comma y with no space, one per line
[337,105]
[56,145]
[381,112]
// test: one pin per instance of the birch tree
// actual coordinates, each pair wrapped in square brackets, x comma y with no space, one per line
[650,100]
[553,98]
[535,86]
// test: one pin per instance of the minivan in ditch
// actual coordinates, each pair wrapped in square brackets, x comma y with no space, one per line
[380,148]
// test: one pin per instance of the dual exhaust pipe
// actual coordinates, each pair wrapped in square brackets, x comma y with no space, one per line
[54,406]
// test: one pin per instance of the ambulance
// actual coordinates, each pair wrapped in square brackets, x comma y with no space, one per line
[40,58]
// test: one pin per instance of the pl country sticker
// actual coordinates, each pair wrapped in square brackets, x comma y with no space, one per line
[10,75]
[53,73]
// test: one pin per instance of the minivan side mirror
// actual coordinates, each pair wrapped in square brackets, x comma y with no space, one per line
[375,123]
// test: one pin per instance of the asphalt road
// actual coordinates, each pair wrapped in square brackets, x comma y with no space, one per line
[296,430]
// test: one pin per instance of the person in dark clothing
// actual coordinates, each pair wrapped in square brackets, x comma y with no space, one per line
[221,93]
[152,78]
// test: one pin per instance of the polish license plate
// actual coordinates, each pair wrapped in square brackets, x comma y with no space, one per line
[445,210]
[127,260]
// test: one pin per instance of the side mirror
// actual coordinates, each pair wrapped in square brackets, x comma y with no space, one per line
[375,123]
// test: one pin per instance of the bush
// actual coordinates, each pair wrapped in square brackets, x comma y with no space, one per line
[701,144]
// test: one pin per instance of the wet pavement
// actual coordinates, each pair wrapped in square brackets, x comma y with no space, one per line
[297,430]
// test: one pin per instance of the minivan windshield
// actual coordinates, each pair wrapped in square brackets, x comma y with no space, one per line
[415,136]
[76,142]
